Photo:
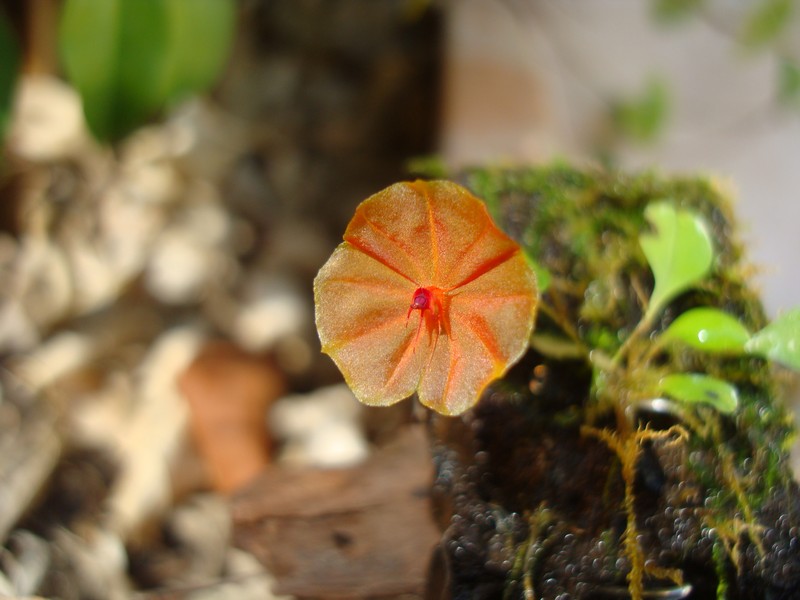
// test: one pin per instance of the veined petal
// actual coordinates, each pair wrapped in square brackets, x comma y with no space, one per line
[361,316]
[491,319]
[463,227]
[394,227]
[383,366]
[500,306]
[455,375]
[355,294]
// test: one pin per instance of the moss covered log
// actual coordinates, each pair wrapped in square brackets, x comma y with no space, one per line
[573,476]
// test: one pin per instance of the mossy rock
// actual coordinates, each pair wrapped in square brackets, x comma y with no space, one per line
[550,488]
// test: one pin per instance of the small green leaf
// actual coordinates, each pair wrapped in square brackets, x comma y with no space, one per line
[708,329]
[779,341]
[766,22]
[9,65]
[694,388]
[679,252]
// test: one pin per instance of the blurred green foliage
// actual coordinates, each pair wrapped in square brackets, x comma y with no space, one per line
[766,22]
[789,90]
[129,59]
[761,27]
[9,65]
[644,117]
[675,10]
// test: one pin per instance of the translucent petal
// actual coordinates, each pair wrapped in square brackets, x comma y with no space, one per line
[491,319]
[394,227]
[361,315]
[500,307]
[438,236]
[463,226]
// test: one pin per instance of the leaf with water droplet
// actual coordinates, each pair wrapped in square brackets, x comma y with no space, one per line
[679,252]
[779,341]
[708,329]
[695,388]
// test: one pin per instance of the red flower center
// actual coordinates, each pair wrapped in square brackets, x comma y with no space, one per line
[422,299]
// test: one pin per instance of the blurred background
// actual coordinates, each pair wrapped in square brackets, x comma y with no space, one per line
[681,87]
[174,173]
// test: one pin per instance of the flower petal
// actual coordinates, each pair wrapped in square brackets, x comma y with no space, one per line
[361,316]
[503,302]
[491,320]
[394,227]
[468,241]
[480,298]
[454,377]
[434,233]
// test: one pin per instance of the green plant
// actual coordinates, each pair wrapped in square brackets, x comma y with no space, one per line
[647,288]
[680,254]
[644,117]
[129,59]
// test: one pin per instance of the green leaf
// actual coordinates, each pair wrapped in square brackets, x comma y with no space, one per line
[766,22]
[643,118]
[113,53]
[694,388]
[129,58]
[201,33]
[779,341]
[679,252]
[708,329]
[9,67]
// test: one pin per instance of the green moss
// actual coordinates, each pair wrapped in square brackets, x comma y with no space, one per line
[583,227]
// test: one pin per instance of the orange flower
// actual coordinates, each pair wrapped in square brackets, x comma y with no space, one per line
[424,295]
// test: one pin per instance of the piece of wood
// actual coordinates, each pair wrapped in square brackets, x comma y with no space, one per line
[344,533]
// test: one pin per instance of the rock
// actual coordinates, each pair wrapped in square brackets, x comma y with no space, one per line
[320,429]
[153,431]
[48,121]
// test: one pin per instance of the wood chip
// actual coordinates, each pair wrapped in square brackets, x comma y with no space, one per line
[344,533]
